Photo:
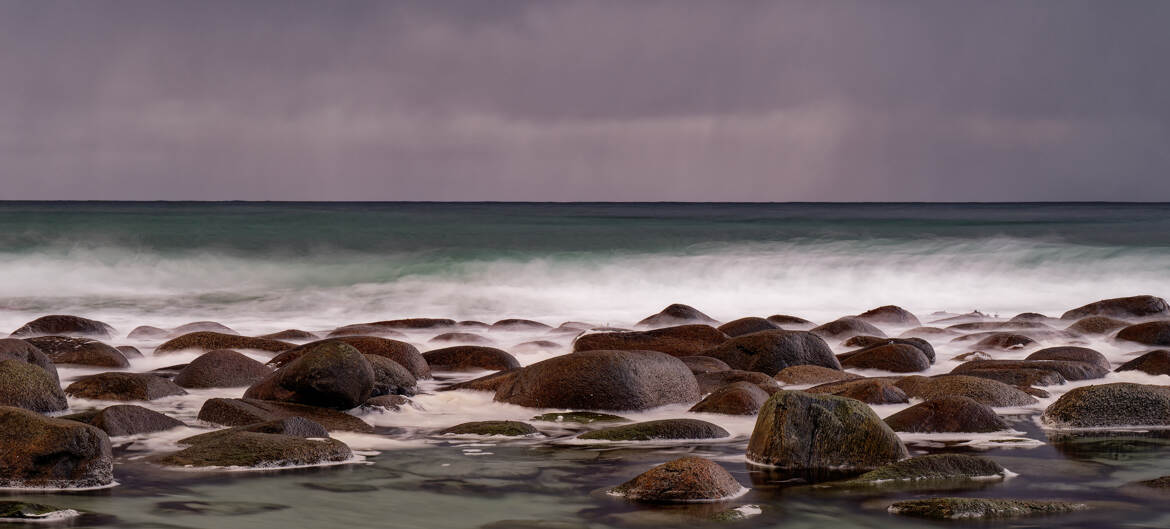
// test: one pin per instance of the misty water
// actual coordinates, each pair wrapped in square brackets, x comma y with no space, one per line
[260,268]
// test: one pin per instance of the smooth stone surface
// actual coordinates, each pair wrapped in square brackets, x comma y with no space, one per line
[1156,362]
[747,325]
[681,340]
[470,358]
[1149,333]
[845,328]
[808,374]
[676,314]
[895,358]
[935,467]
[331,374]
[980,508]
[209,341]
[27,386]
[79,351]
[1129,307]
[867,390]
[666,429]
[128,419]
[602,380]
[404,353]
[687,479]
[737,398]
[989,392]
[947,414]
[64,325]
[1119,404]
[242,412]
[502,428]
[221,368]
[43,452]
[240,448]
[770,351]
[123,386]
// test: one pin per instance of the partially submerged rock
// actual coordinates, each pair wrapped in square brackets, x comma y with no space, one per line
[470,358]
[947,414]
[490,382]
[79,351]
[602,380]
[808,374]
[687,479]
[25,512]
[890,315]
[581,417]
[1130,307]
[747,325]
[221,368]
[770,351]
[681,340]
[64,325]
[847,327]
[676,314]
[56,453]
[666,429]
[27,386]
[404,353]
[737,398]
[293,335]
[1156,362]
[210,341]
[390,378]
[709,382]
[1149,333]
[1097,325]
[127,419]
[931,468]
[123,386]
[985,391]
[981,508]
[332,374]
[242,412]
[867,390]
[501,428]
[242,448]
[1120,404]
[17,349]
[897,358]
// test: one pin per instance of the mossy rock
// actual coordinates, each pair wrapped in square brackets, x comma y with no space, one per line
[39,451]
[666,429]
[27,386]
[981,508]
[682,340]
[580,417]
[1119,404]
[930,468]
[18,511]
[257,450]
[503,428]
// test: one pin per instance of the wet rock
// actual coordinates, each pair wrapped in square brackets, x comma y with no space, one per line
[17,349]
[502,428]
[210,341]
[516,324]
[867,390]
[290,426]
[537,345]
[1107,405]
[390,378]
[1131,307]
[1149,333]
[1097,325]
[404,353]
[490,382]
[147,332]
[682,340]
[470,358]
[738,398]
[973,355]
[241,448]
[290,335]
[980,508]
[934,468]
[1072,354]
[1004,341]
[890,315]
[413,323]
[666,429]
[947,414]
[867,342]
[27,386]
[461,337]
[785,320]
[332,374]
[1155,362]
[129,351]
[80,351]
[387,402]
[747,325]
[845,328]
[984,391]
[809,432]
[929,332]
[770,351]
[602,380]
[704,364]
[243,412]
[221,368]
[1016,373]
[709,382]
[43,452]
[985,326]
[897,358]
[128,419]
[1069,370]
[806,374]
[123,386]
[364,329]
[31,513]
[676,314]
[1032,317]
[687,479]
[64,325]
[581,417]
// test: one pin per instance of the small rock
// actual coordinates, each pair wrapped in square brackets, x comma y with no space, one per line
[896,358]
[808,374]
[123,386]
[221,368]
[890,315]
[580,417]
[676,314]
[666,429]
[845,328]
[688,479]
[1096,325]
[937,467]
[738,398]
[390,378]
[982,390]
[241,448]
[128,419]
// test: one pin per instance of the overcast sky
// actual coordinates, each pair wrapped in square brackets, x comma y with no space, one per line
[705,100]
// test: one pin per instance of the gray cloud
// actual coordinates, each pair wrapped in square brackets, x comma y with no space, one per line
[605,100]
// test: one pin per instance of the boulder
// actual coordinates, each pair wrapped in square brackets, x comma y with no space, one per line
[62,325]
[221,368]
[517,324]
[602,380]
[148,332]
[1156,362]
[980,508]
[687,479]
[412,324]
[470,358]
[738,398]
[930,332]
[291,426]
[123,386]
[501,428]
[17,349]
[1003,341]
[127,419]
[1072,354]
[210,341]
[890,315]
[709,382]
[242,412]
[1149,333]
[242,448]
[42,452]
[390,378]
[462,337]
[945,415]
[931,468]
[845,328]
[807,374]
[972,355]
[1131,307]
[676,314]
[666,429]
[1034,317]
[1070,370]
[704,364]
[1015,374]
[490,382]
[387,402]
[770,351]
[79,351]
[866,342]
[867,390]
[291,335]
[682,340]
[809,432]
[29,387]
[989,392]
[332,374]
[129,351]
[784,320]
[1096,325]
[897,358]
[1120,404]
[364,329]
[404,353]
[200,326]
[747,325]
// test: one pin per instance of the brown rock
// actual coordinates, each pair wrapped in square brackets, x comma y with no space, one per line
[210,341]
[947,414]
[989,392]
[332,374]
[704,364]
[770,351]
[845,328]
[897,358]
[748,325]
[243,412]
[43,452]
[1097,325]
[806,374]
[1156,362]
[890,315]
[676,314]
[405,354]
[1149,333]
[80,351]
[602,380]
[737,398]
[62,325]
[470,358]
[25,385]
[683,340]
[1131,307]
[123,386]
[221,368]
[709,382]
[867,390]
[688,479]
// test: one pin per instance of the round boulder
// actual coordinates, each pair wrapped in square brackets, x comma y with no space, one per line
[890,315]
[770,351]
[676,314]
[1155,362]
[1097,325]
[1131,307]
[221,368]
[404,353]
[1149,333]
[747,325]
[43,452]
[1108,405]
[64,325]
[897,358]
[682,340]
[17,349]
[847,327]
[390,378]
[123,386]
[502,428]
[867,390]
[666,429]
[210,341]
[128,419]
[947,414]
[982,390]
[470,358]
[688,479]
[709,382]
[1072,354]
[27,386]
[738,398]
[806,374]
[332,374]
[80,351]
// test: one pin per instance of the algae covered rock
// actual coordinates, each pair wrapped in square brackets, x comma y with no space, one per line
[687,479]
[666,429]
[936,467]
[332,374]
[580,417]
[738,398]
[240,448]
[221,368]
[42,452]
[25,512]
[79,351]
[1120,404]
[242,412]
[989,392]
[502,428]
[981,508]
[27,386]
[210,341]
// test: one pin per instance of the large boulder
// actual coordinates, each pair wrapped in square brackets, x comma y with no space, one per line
[390,378]
[770,351]
[867,390]
[897,358]
[404,353]
[682,340]
[890,315]
[242,448]
[709,382]
[17,349]
[738,398]
[123,386]
[845,328]
[332,374]
[688,479]
[27,386]
[470,358]
[127,419]
[806,374]
[80,351]
[808,432]
[1131,307]
[210,341]
[53,453]
[242,412]
[1156,362]
[866,342]
[221,368]
[747,325]
[947,414]
[1097,325]
[602,380]
[676,314]
[1120,404]
[931,469]
[1149,333]
[63,325]
[666,429]
[982,390]
[785,320]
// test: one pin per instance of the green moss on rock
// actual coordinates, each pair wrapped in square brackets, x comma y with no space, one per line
[504,428]
[659,430]
[981,508]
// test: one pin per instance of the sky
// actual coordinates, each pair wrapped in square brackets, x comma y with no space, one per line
[706,100]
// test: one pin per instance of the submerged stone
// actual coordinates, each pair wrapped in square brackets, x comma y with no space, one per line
[666,429]
[688,479]
[981,508]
